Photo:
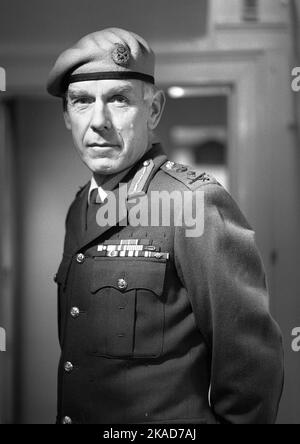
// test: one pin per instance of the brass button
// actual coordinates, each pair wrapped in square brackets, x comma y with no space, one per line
[75,312]
[67,420]
[122,284]
[80,258]
[68,366]
[146,163]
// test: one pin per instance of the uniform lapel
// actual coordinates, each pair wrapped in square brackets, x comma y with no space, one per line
[97,231]
[78,214]
[158,157]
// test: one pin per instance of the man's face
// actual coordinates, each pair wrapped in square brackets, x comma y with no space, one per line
[109,123]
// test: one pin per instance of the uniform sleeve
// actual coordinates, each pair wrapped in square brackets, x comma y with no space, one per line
[224,277]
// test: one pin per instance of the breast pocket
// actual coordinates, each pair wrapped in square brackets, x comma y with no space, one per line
[126,315]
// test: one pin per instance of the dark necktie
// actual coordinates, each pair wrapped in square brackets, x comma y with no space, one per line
[93,207]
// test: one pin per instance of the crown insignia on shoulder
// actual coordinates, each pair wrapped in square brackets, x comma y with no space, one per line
[188,176]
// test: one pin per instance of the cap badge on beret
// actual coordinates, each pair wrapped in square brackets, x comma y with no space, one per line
[120,54]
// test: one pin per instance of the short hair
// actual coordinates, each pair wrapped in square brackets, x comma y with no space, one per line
[149,91]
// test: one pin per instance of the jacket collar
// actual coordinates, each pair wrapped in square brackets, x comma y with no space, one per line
[78,216]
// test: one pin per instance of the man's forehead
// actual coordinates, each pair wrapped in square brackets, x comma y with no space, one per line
[105,86]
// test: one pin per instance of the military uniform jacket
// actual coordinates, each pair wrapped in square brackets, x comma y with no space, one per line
[183,337]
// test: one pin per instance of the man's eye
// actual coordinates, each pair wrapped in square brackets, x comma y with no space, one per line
[119,99]
[82,100]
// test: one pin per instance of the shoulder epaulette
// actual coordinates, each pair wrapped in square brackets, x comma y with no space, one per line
[187,175]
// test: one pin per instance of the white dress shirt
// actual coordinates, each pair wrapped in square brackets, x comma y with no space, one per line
[101,192]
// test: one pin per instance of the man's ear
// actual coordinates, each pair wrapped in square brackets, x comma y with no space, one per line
[67,119]
[157,107]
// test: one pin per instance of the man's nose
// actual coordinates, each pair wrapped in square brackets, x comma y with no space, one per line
[100,119]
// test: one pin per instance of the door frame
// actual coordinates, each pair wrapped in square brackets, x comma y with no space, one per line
[241,71]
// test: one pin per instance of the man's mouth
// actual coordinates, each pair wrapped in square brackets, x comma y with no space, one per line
[103,145]
[105,149]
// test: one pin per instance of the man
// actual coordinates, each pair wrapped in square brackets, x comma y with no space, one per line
[156,323]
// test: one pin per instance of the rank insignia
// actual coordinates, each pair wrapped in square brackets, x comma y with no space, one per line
[192,179]
[204,177]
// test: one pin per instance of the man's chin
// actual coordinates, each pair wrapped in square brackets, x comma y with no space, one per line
[103,166]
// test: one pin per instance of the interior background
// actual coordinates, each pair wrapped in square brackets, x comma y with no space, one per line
[239,64]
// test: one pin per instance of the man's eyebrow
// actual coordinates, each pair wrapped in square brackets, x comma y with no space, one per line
[120,89]
[79,92]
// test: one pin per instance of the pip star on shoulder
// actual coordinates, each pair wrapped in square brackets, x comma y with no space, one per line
[154,326]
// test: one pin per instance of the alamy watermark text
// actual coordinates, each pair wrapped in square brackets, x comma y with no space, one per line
[155,209]
[2,340]
[2,79]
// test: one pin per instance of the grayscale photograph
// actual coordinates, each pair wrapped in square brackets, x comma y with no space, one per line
[150,214]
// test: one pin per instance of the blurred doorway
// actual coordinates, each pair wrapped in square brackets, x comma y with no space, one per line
[194,129]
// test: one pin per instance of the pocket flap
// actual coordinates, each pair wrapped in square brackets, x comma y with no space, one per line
[137,274]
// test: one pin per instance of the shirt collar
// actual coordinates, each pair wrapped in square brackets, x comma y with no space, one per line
[101,192]
[110,182]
